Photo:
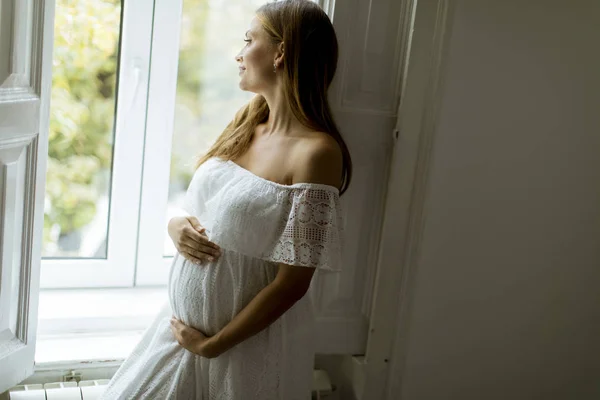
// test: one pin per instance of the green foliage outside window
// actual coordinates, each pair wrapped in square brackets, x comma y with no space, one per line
[86,39]
[83,103]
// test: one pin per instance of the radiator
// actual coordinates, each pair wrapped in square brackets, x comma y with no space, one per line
[91,390]
[84,390]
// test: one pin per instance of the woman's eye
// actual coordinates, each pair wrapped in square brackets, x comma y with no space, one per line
[247,41]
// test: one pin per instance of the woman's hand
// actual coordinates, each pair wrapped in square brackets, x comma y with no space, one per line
[193,340]
[190,240]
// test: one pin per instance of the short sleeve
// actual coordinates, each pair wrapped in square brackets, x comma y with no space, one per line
[310,230]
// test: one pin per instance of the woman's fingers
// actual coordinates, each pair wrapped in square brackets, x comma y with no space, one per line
[195,246]
[199,238]
[191,258]
[200,252]
[196,224]
[204,247]
[209,250]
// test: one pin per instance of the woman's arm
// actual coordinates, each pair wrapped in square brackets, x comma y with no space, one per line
[318,162]
[290,285]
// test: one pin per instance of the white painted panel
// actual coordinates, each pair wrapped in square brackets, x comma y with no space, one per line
[364,98]
[373,44]
[21,160]
[14,288]
[5,38]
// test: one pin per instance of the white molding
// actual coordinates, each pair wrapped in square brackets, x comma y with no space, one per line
[28,238]
[37,46]
[404,40]
[5,38]
[25,64]
[406,203]
[405,34]
[13,127]
[14,157]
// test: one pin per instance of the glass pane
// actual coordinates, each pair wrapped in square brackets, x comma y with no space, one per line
[81,137]
[207,86]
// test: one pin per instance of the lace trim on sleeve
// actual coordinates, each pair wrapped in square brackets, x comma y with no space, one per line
[311,231]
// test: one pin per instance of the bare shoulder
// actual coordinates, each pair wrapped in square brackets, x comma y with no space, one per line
[318,159]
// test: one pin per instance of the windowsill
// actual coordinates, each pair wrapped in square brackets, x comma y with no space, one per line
[94,324]
[85,348]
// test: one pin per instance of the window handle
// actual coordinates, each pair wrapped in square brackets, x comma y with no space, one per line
[137,72]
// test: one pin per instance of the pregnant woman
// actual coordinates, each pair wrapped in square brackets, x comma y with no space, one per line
[263,216]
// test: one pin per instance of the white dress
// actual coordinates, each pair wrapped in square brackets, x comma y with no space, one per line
[257,223]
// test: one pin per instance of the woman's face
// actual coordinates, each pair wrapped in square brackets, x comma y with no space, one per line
[256,60]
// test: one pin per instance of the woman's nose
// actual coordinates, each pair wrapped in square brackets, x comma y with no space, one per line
[238,57]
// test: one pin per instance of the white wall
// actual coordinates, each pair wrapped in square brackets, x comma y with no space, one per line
[506,303]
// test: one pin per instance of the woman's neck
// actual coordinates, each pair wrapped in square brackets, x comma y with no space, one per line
[282,120]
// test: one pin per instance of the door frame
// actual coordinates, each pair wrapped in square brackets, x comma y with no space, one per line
[406,202]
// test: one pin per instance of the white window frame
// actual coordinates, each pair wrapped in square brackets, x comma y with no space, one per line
[119,266]
[153,267]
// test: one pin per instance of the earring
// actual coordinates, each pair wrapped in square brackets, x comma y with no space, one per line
[275,68]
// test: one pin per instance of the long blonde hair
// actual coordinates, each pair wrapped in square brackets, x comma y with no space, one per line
[311,54]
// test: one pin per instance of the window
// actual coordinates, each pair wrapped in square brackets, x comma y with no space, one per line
[83,98]
[101,58]
[123,143]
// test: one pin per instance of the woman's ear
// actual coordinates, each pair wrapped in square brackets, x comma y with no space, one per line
[279,56]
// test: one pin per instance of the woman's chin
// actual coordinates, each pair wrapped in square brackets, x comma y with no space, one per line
[243,86]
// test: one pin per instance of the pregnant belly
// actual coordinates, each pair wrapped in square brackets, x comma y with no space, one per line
[208,296]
